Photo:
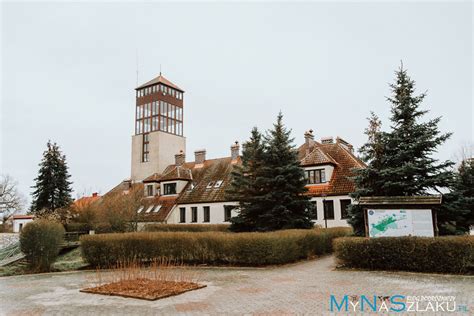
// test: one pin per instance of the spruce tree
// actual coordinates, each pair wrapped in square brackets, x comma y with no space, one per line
[246,187]
[400,161]
[284,204]
[52,190]
[411,168]
[270,184]
[368,181]
[456,214]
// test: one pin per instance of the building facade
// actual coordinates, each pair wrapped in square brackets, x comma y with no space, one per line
[193,192]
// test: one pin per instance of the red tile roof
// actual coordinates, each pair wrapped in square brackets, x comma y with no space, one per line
[162,207]
[83,201]
[162,80]
[23,216]
[345,161]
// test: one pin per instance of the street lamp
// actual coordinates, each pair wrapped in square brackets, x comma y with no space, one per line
[325,211]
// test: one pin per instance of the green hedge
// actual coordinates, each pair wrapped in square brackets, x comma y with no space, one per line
[186,227]
[210,247]
[40,241]
[419,254]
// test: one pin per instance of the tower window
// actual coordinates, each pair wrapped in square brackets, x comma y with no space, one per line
[145,149]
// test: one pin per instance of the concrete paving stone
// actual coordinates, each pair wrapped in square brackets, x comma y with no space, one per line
[297,289]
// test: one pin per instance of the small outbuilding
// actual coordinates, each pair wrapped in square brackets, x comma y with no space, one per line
[395,216]
[19,221]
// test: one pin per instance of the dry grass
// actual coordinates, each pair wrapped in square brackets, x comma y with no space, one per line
[163,278]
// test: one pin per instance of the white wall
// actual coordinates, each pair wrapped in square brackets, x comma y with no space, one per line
[162,148]
[337,221]
[17,222]
[216,213]
[328,170]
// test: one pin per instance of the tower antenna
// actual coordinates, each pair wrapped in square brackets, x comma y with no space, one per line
[136,58]
[160,69]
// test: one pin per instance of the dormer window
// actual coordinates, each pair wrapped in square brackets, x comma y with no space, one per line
[315,176]
[149,190]
[210,185]
[169,188]
[218,184]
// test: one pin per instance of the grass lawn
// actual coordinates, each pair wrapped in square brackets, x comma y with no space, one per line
[69,260]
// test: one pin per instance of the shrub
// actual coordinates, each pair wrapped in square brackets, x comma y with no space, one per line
[40,242]
[186,227]
[420,254]
[78,227]
[209,247]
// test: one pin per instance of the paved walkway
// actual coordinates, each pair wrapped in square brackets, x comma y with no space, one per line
[302,288]
[7,239]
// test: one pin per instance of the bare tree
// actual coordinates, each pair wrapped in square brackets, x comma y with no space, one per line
[11,200]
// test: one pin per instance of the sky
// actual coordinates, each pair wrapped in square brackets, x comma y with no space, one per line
[69,72]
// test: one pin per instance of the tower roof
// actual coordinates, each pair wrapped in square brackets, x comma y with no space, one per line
[162,80]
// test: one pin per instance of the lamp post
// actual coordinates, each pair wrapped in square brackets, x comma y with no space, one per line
[325,211]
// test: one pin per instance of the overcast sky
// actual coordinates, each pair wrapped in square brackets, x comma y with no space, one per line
[69,73]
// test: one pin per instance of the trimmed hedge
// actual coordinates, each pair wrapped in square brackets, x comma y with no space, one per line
[210,247]
[40,241]
[186,227]
[419,254]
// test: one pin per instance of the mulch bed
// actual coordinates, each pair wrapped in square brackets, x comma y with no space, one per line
[144,289]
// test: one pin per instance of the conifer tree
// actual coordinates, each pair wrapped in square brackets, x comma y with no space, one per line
[270,184]
[246,187]
[411,168]
[456,214]
[52,190]
[369,181]
[285,204]
[400,161]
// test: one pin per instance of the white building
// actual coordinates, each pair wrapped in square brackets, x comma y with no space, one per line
[19,221]
[177,191]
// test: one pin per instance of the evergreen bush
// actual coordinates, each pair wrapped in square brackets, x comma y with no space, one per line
[40,241]
[420,254]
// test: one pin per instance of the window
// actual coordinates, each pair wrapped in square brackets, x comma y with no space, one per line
[145,151]
[149,190]
[169,188]
[329,209]
[207,214]
[228,212]
[157,209]
[315,210]
[315,176]
[194,214]
[210,185]
[148,210]
[218,184]
[344,206]
[182,215]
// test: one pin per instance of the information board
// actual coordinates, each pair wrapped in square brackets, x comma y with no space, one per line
[398,222]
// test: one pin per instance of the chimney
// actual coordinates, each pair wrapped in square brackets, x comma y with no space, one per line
[200,156]
[95,194]
[327,140]
[345,144]
[309,137]
[179,159]
[234,151]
